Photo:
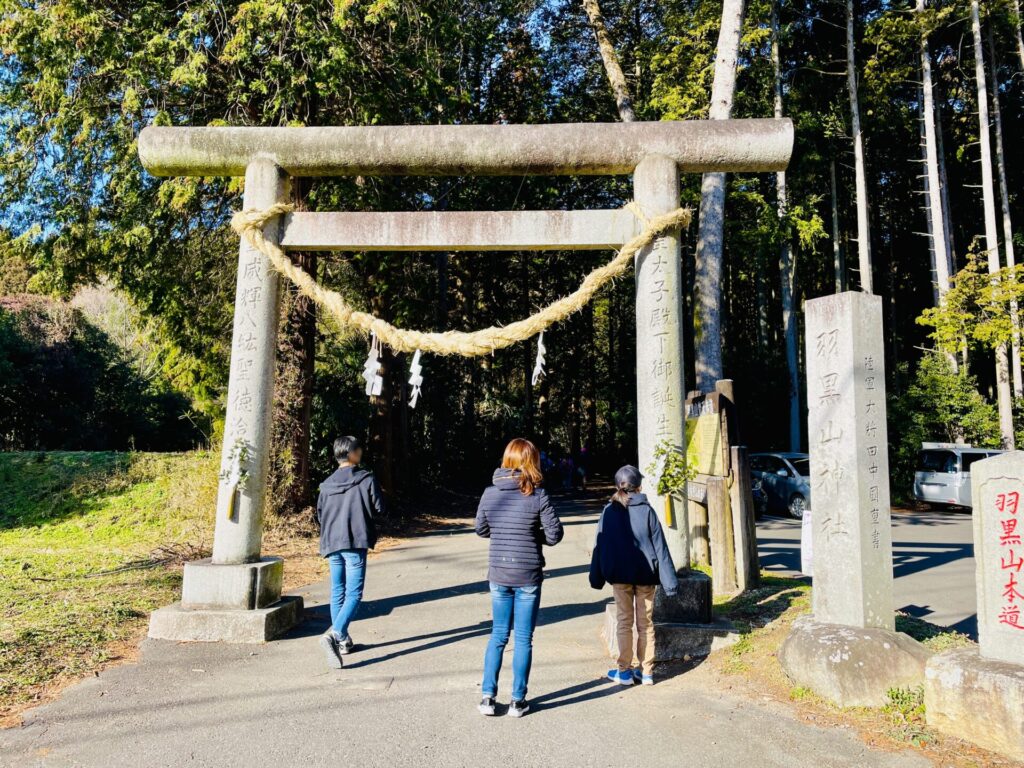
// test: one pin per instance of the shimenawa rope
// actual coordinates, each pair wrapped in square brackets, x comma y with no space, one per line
[250,223]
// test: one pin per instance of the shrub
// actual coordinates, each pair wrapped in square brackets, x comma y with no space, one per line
[65,385]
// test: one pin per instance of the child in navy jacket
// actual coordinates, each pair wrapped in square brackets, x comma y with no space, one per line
[632,556]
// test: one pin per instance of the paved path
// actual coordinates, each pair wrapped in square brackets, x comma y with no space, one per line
[409,698]
[933,562]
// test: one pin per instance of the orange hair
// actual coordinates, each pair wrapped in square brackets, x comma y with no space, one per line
[522,456]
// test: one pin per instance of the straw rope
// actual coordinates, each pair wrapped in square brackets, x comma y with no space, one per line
[250,223]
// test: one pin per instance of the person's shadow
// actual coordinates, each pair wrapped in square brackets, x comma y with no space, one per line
[597,688]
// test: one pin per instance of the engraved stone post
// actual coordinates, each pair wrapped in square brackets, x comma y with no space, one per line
[848,650]
[659,339]
[997,486]
[977,693]
[849,461]
[251,382]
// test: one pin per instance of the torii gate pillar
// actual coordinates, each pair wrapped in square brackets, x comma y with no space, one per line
[660,389]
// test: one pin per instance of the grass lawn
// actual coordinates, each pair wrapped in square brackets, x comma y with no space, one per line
[89,544]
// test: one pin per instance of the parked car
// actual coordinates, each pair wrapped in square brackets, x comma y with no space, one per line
[785,479]
[759,496]
[943,476]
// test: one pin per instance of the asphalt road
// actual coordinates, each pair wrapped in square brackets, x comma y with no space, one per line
[408,696]
[933,563]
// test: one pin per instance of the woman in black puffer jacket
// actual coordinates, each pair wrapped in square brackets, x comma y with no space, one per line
[516,515]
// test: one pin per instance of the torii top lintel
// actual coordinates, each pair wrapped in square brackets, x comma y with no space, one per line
[697,146]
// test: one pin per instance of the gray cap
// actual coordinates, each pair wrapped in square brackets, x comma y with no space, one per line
[628,476]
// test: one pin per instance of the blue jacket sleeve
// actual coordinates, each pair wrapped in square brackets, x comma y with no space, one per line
[483,528]
[376,498]
[553,530]
[596,577]
[666,568]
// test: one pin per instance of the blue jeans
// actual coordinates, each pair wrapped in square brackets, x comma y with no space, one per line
[511,606]
[348,572]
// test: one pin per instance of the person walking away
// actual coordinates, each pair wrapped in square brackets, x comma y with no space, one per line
[349,501]
[516,515]
[632,556]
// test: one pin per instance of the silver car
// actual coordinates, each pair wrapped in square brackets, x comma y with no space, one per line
[785,479]
[943,476]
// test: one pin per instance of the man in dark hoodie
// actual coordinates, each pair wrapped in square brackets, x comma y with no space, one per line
[349,501]
[632,556]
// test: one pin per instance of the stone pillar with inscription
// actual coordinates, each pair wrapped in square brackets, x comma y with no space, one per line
[659,341]
[997,487]
[683,621]
[848,443]
[848,651]
[235,595]
[978,693]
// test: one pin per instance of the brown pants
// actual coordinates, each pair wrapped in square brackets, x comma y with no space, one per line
[635,602]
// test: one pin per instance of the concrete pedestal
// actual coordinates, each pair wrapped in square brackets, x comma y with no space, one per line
[175,622]
[977,699]
[851,666]
[676,640]
[245,586]
[238,603]
[683,623]
[690,605]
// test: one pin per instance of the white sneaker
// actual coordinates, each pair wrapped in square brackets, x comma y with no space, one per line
[486,706]
[332,650]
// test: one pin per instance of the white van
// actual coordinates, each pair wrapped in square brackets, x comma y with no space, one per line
[943,475]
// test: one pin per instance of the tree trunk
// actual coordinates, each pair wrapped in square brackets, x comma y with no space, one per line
[711,221]
[860,175]
[927,208]
[934,183]
[382,443]
[1016,31]
[786,265]
[437,392]
[1003,395]
[1004,199]
[289,481]
[944,187]
[616,79]
[529,353]
[938,227]
[838,262]
[293,403]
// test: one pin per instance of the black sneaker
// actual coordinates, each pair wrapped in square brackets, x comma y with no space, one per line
[346,645]
[332,651]
[518,708]
[486,706]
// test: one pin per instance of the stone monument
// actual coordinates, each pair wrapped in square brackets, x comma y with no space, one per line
[848,650]
[236,594]
[978,693]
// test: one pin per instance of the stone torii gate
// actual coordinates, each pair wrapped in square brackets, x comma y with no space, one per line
[236,594]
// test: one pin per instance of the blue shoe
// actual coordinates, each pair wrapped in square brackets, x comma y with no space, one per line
[641,679]
[622,678]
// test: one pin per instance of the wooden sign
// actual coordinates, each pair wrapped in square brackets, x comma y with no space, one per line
[707,433]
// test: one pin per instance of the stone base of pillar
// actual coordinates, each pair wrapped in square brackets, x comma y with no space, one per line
[690,605]
[176,622]
[243,586]
[676,640]
[851,666]
[236,603]
[977,699]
